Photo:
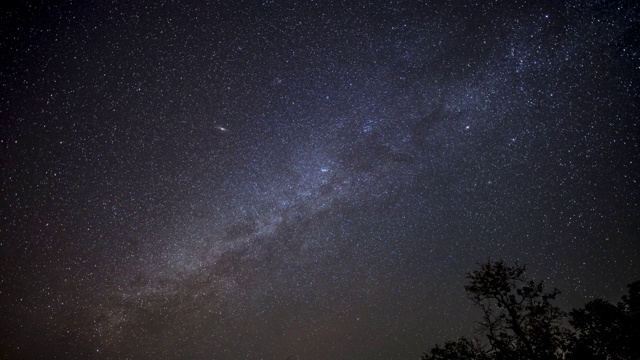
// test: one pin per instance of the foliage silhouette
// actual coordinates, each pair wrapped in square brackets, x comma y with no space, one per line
[607,331]
[519,322]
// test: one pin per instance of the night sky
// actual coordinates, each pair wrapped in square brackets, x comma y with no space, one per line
[264,179]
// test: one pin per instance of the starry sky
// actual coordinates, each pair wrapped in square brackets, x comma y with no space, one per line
[264,179]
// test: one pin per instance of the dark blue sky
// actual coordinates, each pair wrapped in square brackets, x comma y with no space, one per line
[246,180]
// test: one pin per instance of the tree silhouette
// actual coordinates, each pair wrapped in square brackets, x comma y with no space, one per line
[461,349]
[518,319]
[520,322]
[606,331]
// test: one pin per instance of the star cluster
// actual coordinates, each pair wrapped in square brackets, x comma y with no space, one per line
[306,179]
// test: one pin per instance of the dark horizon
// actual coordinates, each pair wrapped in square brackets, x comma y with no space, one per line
[314,179]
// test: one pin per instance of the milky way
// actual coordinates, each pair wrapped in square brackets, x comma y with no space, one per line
[263,180]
